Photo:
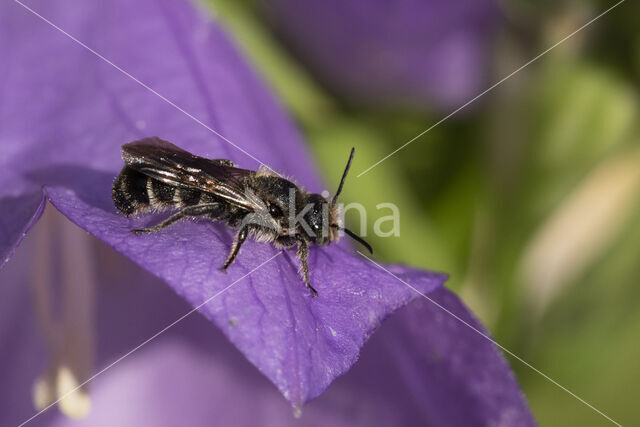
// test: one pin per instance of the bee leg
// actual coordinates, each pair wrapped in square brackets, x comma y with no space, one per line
[240,238]
[188,211]
[302,253]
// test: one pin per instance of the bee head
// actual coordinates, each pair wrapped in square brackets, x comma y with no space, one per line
[319,217]
[284,205]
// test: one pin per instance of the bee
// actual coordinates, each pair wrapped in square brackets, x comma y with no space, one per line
[259,204]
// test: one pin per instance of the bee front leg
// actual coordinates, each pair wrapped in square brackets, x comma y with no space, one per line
[188,211]
[303,253]
[240,238]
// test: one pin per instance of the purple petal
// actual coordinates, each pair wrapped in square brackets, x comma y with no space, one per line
[430,369]
[17,216]
[451,373]
[300,343]
[439,382]
[406,53]
[69,140]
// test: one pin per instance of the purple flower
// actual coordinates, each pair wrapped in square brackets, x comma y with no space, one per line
[406,53]
[166,70]
[421,367]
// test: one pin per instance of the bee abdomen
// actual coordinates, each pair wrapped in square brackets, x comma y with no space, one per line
[160,194]
[134,192]
[163,195]
[188,196]
[129,191]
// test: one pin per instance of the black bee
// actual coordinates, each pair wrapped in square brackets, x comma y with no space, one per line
[158,175]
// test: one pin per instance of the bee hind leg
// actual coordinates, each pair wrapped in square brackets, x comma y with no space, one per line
[303,253]
[188,211]
[240,238]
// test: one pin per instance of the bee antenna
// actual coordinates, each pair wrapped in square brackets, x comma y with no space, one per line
[355,237]
[344,175]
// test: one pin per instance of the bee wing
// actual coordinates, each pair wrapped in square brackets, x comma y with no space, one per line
[172,165]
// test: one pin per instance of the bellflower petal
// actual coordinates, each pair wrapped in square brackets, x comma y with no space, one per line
[443,382]
[430,369]
[71,111]
[131,306]
[405,53]
[453,374]
[17,216]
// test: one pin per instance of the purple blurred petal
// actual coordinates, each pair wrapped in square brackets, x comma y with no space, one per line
[23,353]
[69,140]
[405,53]
[441,382]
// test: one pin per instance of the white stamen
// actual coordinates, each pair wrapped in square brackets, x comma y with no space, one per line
[43,394]
[297,412]
[76,404]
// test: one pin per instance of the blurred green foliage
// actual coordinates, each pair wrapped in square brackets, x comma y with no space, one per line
[480,194]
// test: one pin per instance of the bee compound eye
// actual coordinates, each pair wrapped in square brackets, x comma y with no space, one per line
[275,211]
